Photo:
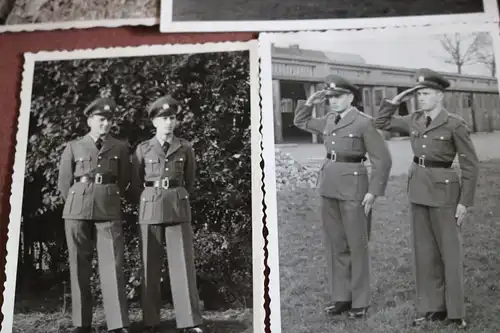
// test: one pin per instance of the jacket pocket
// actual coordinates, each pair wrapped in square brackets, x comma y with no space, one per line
[446,191]
[111,164]
[76,199]
[83,164]
[355,183]
[183,209]
[152,165]
[148,204]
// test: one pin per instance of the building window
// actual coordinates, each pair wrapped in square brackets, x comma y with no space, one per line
[379,96]
[367,98]
[467,100]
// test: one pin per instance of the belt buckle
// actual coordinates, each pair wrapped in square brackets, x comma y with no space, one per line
[98,179]
[333,156]
[165,183]
[84,179]
[421,161]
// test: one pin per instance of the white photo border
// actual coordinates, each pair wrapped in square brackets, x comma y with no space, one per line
[16,198]
[80,24]
[167,24]
[268,151]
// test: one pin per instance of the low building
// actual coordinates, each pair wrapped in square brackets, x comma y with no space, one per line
[297,73]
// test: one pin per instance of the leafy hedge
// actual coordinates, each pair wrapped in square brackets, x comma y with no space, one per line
[215,91]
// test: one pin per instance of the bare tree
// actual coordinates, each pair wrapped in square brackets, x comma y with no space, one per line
[461,49]
[484,53]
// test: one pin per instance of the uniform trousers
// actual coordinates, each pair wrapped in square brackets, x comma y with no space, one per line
[438,260]
[80,238]
[180,255]
[347,233]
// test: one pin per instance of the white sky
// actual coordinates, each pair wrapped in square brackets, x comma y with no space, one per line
[411,51]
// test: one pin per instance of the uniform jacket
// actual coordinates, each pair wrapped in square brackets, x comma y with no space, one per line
[354,135]
[159,205]
[89,201]
[446,136]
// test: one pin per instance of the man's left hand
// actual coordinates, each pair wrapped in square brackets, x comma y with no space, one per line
[460,214]
[368,202]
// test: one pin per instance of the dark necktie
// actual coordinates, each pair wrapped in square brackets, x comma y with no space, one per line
[337,119]
[98,143]
[165,147]
[428,121]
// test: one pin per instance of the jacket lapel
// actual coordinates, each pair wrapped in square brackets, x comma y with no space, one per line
[89,144]
[107,144]
[441,119]
[347,119]
[156,146]
[174,146]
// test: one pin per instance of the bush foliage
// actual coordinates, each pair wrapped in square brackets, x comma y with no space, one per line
[214,90]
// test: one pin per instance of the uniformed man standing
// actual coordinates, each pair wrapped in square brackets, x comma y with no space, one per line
[347,192]
[93,173]
[164,171]
[439,197]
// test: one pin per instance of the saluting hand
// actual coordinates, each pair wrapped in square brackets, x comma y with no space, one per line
[368,202]
[316,98]
[460,214]
[404,95]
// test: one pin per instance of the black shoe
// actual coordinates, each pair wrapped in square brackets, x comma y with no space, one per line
[430,316]
[458,323]
[338,308]
[357,313]
[84,329]
[193,330]
[152,329]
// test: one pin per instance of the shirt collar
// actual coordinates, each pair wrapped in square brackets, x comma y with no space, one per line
[433,114]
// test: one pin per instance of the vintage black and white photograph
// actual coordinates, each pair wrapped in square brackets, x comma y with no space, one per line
[29,15]
[136,196]
[294,15]
[382,201]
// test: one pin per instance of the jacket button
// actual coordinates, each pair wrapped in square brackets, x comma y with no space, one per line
[355,173]
[180,159]
[446,181]
[116,157]
[425,136]
[333,142]
[98,165]
[350,135]
[424,146]
[150,161]
[166,169]
[442,138]
[334,134]
[72,192]
[99,157]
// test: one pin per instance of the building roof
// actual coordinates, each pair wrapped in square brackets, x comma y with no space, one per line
[318,55]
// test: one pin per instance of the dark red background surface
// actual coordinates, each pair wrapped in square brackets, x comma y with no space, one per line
[12,47]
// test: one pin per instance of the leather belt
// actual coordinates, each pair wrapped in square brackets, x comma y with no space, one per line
[431,164]
[344,158]
[163,183]
[97,179]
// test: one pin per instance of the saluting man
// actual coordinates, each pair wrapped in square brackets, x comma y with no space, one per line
[93,174]
[347,192]
[164,171]
[439,197]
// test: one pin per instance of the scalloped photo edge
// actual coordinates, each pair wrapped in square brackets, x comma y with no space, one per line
[16,197]
[167,24]
[265,41]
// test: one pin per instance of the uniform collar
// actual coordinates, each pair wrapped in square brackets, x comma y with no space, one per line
[434,113]
[343,114]
[161,141]
[94,138]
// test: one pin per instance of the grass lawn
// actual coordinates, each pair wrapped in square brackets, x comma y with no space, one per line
[43,320]
[50,11]
[229,10]
[304,292]
[43,312]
